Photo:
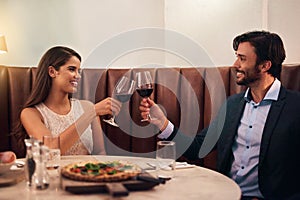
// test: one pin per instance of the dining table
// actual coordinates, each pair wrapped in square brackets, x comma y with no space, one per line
[189,182]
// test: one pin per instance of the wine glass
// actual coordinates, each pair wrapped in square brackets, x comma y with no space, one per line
[122,92]
[144,87]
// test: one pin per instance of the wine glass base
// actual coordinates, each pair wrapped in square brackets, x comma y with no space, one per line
[111,122]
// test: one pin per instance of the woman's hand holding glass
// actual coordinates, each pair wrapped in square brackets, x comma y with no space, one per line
[122,92]
[108,106]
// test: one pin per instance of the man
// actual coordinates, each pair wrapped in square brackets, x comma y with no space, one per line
[260,137]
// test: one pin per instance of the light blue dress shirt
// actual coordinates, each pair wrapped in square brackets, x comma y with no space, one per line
[246,146]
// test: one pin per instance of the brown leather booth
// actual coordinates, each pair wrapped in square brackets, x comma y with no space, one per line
[189,96]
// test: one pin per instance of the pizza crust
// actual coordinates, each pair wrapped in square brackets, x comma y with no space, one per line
[67,172]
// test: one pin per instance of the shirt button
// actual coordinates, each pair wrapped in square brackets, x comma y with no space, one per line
[255,106]
[247,147]
[250,126]
[242,167]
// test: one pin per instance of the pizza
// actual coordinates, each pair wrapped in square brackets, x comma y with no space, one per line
[97,171]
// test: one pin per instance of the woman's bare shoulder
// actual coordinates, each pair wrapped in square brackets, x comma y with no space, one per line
[86,103]
[30,112]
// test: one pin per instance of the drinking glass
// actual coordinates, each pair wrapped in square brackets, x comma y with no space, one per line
[144,87]
[122,92]
[53,161]
[165,159]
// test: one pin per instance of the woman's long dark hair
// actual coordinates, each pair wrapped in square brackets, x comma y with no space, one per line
[56,57]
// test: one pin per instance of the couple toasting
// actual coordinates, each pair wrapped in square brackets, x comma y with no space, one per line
[259,139]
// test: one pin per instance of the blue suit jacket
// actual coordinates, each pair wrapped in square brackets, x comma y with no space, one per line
[279,158]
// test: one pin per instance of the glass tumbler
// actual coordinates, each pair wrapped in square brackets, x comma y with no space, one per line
[165,159]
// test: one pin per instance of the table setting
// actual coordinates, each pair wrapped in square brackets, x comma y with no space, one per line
[155,178]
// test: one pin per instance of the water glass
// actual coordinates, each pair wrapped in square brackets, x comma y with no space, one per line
[165,159]
[53,143]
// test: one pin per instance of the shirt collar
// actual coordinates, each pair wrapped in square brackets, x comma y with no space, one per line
[272,93]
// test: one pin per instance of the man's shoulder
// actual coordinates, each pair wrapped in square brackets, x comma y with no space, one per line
[289,94]
[293,93]
[291,99]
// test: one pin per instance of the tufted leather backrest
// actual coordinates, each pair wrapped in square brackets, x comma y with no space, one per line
[189,96]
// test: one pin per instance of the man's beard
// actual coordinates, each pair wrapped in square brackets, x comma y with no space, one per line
[251,77]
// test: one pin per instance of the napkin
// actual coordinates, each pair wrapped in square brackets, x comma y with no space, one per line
[179,165]
[183,165]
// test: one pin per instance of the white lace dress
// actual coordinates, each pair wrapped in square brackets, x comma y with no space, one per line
[57,123]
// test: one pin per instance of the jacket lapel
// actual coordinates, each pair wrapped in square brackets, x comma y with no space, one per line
[237,113]
[229,133]
[271,121]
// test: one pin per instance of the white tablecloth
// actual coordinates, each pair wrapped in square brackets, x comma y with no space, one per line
[190,183]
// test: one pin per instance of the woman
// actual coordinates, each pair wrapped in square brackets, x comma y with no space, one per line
[49,109]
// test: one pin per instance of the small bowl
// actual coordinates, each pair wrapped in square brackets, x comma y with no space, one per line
[7,159]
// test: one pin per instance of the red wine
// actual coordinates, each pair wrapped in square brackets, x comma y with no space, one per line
[145,92]
[123,97]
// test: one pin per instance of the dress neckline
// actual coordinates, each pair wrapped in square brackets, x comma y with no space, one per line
[53,112]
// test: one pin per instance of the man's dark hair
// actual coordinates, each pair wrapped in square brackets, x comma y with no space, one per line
[268,47]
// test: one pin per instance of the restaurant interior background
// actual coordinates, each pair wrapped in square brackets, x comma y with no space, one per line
[33,26]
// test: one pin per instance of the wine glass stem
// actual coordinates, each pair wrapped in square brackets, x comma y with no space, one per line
[147,119]
[113,118]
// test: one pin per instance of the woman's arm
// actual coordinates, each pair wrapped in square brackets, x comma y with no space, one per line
[97,132]
[33,123]
[99,146]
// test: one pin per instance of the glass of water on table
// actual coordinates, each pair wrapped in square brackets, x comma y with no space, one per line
[165,159]
[53,161]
